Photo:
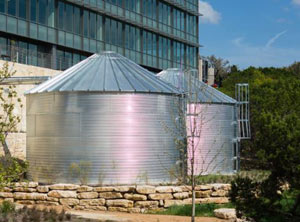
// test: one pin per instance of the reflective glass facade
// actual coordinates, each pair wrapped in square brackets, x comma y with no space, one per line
[155,33]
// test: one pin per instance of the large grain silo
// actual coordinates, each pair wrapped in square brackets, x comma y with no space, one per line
[211,123]
[100,121]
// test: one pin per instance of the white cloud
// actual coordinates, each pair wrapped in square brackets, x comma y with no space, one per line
[296,2]
[273,39]
[210,15]
[245,54]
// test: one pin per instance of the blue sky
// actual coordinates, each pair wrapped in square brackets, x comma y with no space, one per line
[251,32]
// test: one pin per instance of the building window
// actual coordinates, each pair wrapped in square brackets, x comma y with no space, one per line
[22,9]
[132,38]
[11,7]
[149,8]
[42,11]
[77,20]
[113,32]
[2,6]
[69,18]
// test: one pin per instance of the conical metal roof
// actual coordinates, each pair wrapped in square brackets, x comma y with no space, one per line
[198,90]
[106,72]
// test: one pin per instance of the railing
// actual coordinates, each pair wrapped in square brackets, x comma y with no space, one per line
[33,57]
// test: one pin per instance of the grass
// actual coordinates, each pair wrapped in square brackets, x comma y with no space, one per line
[202,210]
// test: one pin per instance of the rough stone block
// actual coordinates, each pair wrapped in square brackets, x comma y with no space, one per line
[104,189]
[98,208]
[42,189]
[62,186]
[217,200]
[6,195]
[134,210]
[119,203]
[180,196]
[203,194]
[135,197]
[84,189]
[164,189]
[47,203]
[27,184]
[225,213]
[123,189]
[219,193]
[146,204]
[24,189]
[160,196]
[145,189]
[203,187]
[69,201]
[25,202]
[62,194]
[169,203]
[186,188]
[9,200]
[110,195]
[88,195]
[52,199]
[177,189]
[30,196]
[92,202]
[117,209]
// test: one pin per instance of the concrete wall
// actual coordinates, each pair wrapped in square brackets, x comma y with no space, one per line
[17,141]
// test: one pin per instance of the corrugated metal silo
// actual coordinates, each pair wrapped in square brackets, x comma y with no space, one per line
[211,116]
[100,121]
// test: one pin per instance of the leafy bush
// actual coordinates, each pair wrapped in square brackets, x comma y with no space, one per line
[12,170]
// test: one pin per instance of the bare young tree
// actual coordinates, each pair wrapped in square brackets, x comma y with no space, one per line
[9,100]
[190,120]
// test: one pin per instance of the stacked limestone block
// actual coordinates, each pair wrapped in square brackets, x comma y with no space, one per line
[115,198]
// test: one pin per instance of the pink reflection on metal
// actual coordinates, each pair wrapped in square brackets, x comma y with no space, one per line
[194,125]
[129,153]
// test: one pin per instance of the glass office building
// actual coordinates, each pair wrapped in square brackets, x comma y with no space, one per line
[59,33]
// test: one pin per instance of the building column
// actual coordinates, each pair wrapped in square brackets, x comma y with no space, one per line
[54,57]
[200,69]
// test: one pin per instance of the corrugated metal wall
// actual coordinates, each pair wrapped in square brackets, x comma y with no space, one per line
[214,135]
[112,138]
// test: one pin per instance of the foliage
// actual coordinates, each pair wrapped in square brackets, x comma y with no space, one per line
[273,92]
[11,170]
[222,68]
[9,101]
[275,144]
[295,69]
[81,171]
[202,210]
[7,207]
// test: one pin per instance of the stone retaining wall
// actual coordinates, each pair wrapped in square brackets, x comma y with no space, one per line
[115,198]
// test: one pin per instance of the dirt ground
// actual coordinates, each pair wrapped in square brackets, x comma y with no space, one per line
[125,217]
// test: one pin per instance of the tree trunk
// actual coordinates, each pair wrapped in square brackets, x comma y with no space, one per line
[5,149]
[193,205]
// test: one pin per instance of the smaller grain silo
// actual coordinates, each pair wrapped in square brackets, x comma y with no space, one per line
[100,122]
[211,124]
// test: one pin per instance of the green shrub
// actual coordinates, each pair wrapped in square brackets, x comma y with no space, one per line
[12,170]
[7,207]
